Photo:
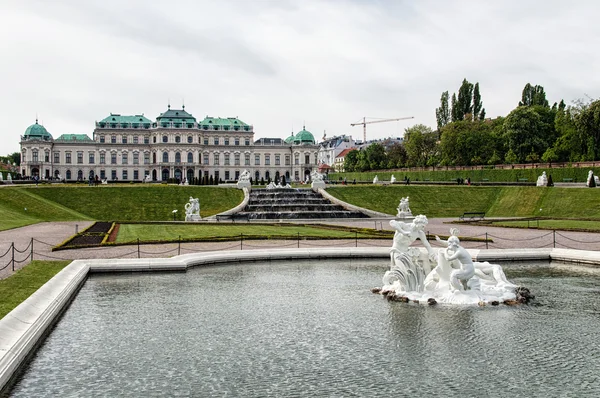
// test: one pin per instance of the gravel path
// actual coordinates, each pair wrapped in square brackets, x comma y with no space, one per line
[47,235]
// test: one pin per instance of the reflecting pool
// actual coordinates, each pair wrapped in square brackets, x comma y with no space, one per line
[314,329]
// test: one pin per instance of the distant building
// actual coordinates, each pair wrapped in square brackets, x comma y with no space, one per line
[339,160]
[176,145]
[330,148]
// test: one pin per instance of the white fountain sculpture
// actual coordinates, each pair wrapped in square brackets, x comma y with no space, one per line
[244,180]
[147,179]
[542,180]
[455,277]
[375,180]
[393,179]
[404,209]
[8,177]
[192,210]
[317,180]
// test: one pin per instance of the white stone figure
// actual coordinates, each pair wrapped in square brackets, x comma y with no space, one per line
[589,178]
[408,266]
[1,176]
[393,179]
[271,185]
[104,181]
[59,177]
[8,177]
[244,180]
[192,210]
[317,180]
[375,180]
[456,278]
[542,180]
[147,179]
[403,209]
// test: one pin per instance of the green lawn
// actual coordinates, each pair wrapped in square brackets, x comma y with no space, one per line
[172,232]
[23,283]
[564,225]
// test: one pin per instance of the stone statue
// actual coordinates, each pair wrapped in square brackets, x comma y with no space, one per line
[403,208]
[393,179]
[192,210]
[591,181]
[8,177]
[317,180]
[455,278]
[244,180]
[147,178]
[1,176]
[375,180]
[542,180]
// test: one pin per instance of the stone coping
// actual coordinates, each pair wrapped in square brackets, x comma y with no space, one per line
[24,328]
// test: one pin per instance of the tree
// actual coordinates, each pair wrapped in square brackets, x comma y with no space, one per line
[465,100]
[478,110]
[442,113]
[375,156]
[533,95]
[524,133]
[420,144]
[351,161]
[454,110]
[396,156]
[588,126]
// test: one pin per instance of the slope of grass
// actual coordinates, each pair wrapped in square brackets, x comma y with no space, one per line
[452,201]
[23,283]
[21,206]
[138,202]
[173,232]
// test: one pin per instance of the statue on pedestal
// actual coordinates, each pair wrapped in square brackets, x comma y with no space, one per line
[192,210]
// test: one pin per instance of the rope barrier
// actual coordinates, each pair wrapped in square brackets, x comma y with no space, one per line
[521,239]
[167,251]
[44,243]
[6,266]
[24,250]
[575,240]
[7,251]
[52,257]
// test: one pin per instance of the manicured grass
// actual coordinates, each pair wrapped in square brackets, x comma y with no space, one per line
[564,225]
[173,232]
[23,283]
[452,201]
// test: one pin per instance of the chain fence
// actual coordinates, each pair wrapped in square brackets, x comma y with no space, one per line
[14,257]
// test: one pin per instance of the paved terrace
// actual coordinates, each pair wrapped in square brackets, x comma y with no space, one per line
[47,235]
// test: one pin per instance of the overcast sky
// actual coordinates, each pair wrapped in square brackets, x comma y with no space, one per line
[282,63]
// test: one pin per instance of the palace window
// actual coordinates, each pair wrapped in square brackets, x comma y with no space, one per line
[146,157]
[67,157]
[267,160]
[216,142]
[226,160]
[146,140]
[247,159]
[103,174]
[102,139]
[135,139]
[226,143]
[190,157]
[287,160]
[136,158]
[91,158]
[113,139]
[113,158]
[257,160]
[205,141]
[136,175]
[216,159]
[68,174]
[236,159]
[226,175]
[124,175]
[237,141]
[165,157]
[206,159]
[277,160]
[124,139]
[56,157]
[34,153]
[79,157]
[165,138]
[190,139]
[46,157]
[177,157]
[177,139]
[113,174]
[124,159]
[296,159]
[102,158]
[247,143]
[306,159]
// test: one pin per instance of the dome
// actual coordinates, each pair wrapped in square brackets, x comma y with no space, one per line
[304,137]
[290,139]
[37,132]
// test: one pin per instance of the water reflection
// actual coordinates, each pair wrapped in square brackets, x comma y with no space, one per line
[314,329]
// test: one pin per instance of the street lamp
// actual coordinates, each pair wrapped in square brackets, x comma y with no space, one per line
[174,213]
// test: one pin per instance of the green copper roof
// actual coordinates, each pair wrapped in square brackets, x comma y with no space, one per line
[116,118]
[74,137]
[176,115]
[220,123]
[304,137]
[290,139]
[37,132]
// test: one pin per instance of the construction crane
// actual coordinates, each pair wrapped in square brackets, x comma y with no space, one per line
[364,124]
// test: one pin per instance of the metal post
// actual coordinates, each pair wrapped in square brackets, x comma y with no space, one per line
[554,238]
[13,256]
[76,229]
[486,241]
[298,240]
[179,246]
[241,241]
[31,249]
[138,239]
[355,238]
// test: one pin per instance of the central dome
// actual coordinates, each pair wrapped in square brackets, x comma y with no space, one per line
[37,132]
[304,137]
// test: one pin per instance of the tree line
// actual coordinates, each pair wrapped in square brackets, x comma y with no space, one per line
[532,132]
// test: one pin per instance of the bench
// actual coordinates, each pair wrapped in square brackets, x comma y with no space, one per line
[567,180]
[233,217]
[523,179]
[472,215]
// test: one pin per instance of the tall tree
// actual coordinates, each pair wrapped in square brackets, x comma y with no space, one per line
[376,157]
[351,161]
[454,111]
[533,95]
[396,156]
[524,133]
[442,114]
[420,144]
[478,110]
[465,100]
[588,126]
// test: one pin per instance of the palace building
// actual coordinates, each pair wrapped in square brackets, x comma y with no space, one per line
[174,146]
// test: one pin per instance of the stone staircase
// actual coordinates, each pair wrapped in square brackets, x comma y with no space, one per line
[291,203]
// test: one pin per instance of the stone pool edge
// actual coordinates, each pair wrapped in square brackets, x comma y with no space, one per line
[24,328]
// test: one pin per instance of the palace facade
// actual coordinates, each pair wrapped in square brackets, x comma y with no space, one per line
[174,146]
